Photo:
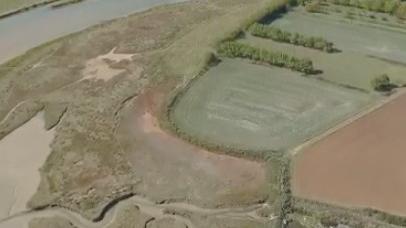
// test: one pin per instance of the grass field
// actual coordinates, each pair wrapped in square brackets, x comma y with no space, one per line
[255,107]
[349,35]
[382,50]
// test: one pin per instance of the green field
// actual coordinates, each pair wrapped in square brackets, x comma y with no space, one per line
[255,107]
[366,51]
[349,35]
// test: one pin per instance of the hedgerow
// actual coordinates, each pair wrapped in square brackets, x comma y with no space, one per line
[276,34]
[394,7]
[233,49]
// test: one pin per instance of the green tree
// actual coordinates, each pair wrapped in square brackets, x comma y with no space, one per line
[381,83]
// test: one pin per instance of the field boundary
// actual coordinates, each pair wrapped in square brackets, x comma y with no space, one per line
[369,109]
[166,119]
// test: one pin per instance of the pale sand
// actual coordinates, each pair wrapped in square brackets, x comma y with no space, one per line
[22,153]
[99,69]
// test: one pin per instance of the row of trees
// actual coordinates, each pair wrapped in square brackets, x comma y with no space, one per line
[394,7]
[276,34]
[233,49]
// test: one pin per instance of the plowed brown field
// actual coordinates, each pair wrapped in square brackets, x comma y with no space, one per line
[362,164]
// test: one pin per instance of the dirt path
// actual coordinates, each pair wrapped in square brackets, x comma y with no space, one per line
[146,206]
[348,121]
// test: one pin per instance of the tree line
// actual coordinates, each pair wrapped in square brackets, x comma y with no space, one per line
[394,7]
[233,49]
[276,34]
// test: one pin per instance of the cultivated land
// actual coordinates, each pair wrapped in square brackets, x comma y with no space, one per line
[257,108]
[381,49]
[359,165]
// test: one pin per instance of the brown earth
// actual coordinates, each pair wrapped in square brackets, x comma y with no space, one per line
[174,170]
[359,165]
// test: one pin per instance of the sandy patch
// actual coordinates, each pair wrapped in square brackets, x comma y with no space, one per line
[99,68]
[22,153]
[361,164]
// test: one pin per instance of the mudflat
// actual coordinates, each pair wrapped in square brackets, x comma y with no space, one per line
[22,152]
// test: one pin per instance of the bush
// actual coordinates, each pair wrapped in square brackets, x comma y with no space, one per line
[381,83]
[329,221]
[313,7]
[276,34]
[401,11]
[396,7]
[234,49]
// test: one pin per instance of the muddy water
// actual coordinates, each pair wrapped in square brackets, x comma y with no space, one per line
[22,154]
[24,31]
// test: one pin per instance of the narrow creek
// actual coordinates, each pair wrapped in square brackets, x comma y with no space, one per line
[146,206]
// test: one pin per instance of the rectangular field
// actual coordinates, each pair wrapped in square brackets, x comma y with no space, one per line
[254,107]
[349,35]
[366,50]
[360,165]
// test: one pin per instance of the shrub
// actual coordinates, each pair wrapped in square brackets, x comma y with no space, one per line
[329,221]
[396,7]
[234,49]
[401,11]
[276,34]
[313,7]
[381,83]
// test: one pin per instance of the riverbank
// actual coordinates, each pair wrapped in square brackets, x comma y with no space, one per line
[13,7]
[94,160]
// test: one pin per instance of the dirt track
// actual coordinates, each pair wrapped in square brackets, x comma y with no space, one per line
[361,164]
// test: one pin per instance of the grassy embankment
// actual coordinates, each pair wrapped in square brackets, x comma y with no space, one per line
[12,7]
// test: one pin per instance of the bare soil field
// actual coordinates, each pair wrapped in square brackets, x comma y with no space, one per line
[360,165]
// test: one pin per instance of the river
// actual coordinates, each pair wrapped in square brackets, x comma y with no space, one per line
[24,31]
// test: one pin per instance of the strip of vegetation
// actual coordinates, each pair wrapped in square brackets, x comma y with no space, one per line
[276,34]
[286,202]
[65,3]
[331,215]
[26,8]
[232,49]
[393,7]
